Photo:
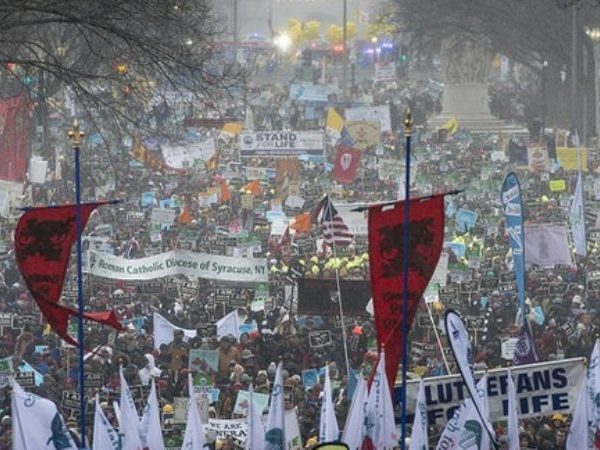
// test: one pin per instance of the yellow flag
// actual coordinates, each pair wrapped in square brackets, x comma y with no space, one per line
[233,128]
[334,120]
[451,126]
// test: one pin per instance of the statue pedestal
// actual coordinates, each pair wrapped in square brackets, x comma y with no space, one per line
[469,103]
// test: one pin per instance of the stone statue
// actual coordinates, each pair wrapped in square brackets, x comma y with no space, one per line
[466,59]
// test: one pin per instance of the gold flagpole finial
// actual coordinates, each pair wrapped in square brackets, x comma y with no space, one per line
[408,123]
[76,134]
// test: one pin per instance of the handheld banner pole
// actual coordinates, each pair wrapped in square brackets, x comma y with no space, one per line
[76,134]
[408,130]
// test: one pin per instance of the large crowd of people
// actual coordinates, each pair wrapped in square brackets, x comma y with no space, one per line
[212,215]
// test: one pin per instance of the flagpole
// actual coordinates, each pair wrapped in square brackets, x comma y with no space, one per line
[76,134]
[438,340]
[408,129]
[339,290]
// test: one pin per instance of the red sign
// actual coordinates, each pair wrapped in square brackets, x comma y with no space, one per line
[386,237]
[14,134]
[346,164]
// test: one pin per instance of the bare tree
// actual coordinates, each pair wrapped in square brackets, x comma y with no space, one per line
[111,55]
[530,32]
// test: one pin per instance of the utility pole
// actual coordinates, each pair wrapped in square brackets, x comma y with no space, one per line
[345,53]
[574,72]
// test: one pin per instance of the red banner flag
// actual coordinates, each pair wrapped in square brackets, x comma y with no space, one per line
[43,240]
[346,164]
[14,137]
[386,228]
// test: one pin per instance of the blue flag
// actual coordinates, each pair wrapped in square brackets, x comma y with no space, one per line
[525,349]
[513,214]
[577,218]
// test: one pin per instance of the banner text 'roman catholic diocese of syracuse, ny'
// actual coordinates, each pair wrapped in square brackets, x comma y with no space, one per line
[179,262]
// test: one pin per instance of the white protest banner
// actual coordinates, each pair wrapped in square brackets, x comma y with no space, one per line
[163,216]
[223,428]
[310,92]
[258,173]
[281,143]
[385,72]
[37,170]
[507,348]
[164,331]
[178,262]
[543,389]
[178,156]
[379,114]
[546,246]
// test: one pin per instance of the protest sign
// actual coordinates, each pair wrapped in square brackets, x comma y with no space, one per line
[310,377]
[281,143]
[319,338]
[163,216]
[557,185]
[365,134]
[261,402]
[570,158]
[385,72]
[507,348]
[180,156]
[310,92]
[6,320]
[201,359]
[543,389]
[537,156]
[6,370]
[379,114]
[178,262]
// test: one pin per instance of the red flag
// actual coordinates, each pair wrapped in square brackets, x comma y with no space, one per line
[386,228]
[14,137]
[346,164]
[43,241]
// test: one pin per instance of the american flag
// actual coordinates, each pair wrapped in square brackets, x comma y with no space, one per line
[335,231]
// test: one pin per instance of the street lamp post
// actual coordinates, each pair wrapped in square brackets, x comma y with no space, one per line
[594,35]
[345,51]
[544,100]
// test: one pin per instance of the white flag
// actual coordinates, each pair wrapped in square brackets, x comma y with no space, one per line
[151,429]
[593,387]
[194,438]
[229,325]
[255,440]
[418,437]
[37,423]
[353,431]
[465,430]
[579,433]
[275,435]
[379,420]
[546,246]
[130,422]
[458,337]
[105,436]
[513,421]
[164,331]
[329,430]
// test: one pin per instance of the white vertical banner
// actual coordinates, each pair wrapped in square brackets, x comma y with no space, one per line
[419,436]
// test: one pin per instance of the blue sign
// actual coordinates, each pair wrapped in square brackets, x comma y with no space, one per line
[510,197]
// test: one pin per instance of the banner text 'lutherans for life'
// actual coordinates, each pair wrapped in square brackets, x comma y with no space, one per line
[180,262]
[542,389]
